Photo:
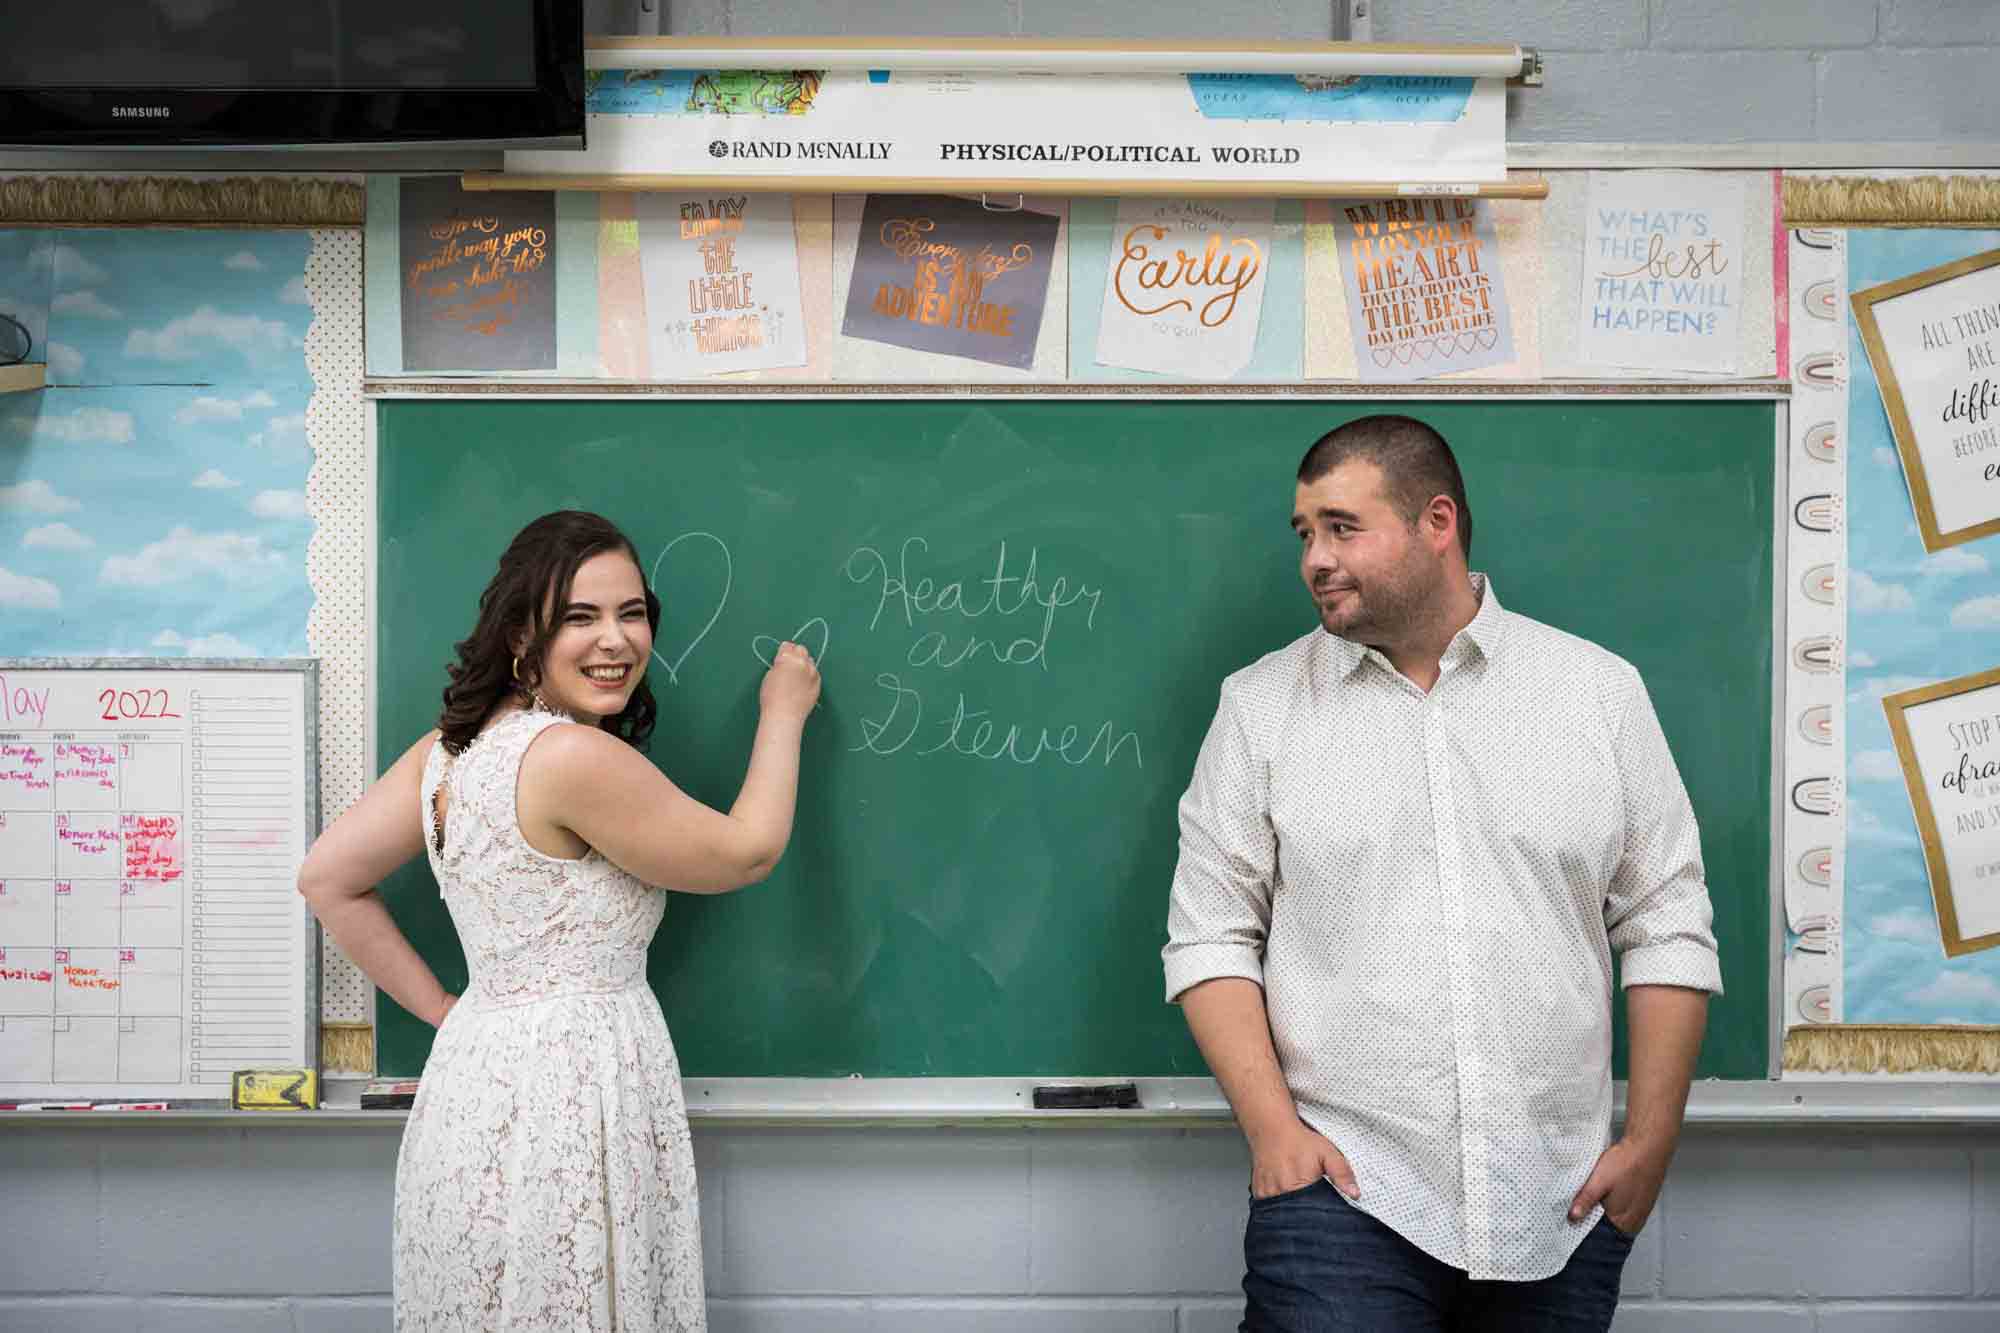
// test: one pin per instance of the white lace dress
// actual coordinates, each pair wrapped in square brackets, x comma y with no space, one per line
[546,1179]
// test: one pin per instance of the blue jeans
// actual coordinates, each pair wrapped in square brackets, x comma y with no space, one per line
[1317,1264]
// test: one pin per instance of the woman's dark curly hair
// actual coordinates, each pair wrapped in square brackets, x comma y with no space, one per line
[533,581]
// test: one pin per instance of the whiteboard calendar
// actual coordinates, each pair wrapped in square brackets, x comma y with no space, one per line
[152,821]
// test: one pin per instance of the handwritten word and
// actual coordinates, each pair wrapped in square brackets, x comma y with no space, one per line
[1017,615]
[952,628]
[1424,291]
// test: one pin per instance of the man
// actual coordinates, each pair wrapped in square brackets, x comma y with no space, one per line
[1410,846]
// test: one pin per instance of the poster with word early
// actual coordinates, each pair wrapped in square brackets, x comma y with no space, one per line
[1184,288]
[722,283]
[152,822]
[478,277]
[1424,290]
[1663,271]
[1947,738]
[941,274]
[1933,339]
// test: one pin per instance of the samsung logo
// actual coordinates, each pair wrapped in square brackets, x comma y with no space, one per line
[141,112]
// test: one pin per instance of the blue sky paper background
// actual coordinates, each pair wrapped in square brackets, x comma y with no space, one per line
[152,502]
[1912,619]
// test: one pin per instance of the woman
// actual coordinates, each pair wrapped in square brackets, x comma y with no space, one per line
[546,1179]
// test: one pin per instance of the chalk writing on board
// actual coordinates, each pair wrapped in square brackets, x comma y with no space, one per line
[1024,602]
[893,733]
[926,596]
[701,540]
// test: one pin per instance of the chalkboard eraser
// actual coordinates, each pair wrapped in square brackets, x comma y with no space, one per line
[1086,1096]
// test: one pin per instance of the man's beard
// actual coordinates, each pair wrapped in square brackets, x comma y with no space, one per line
[1390,606]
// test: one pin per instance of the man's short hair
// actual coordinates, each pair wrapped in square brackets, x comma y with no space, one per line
[1417,465]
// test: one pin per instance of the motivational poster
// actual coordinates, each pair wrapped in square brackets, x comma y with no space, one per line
[1424,291]
[1184,288]
[1933,339]
[478,277]
[721,275]
[1948,741]
[939,274]
[1663,271]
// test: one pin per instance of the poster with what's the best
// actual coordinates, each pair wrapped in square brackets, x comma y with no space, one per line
[1933,341]
[1663,272]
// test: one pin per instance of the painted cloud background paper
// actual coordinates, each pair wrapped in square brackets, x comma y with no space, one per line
[153,502]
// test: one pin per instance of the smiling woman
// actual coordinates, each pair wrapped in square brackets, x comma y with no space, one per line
[551,1119]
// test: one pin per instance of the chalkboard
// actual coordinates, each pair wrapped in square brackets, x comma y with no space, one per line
[1059,586]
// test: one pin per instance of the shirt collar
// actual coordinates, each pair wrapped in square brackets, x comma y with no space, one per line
[1483,634]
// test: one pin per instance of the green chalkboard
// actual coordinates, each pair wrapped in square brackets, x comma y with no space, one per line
[979,887]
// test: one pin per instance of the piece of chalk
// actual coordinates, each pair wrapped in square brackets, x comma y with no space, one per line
[1086,1096]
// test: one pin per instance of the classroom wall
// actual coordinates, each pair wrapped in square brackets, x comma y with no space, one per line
[1640,71]
[285,1227]
[1635,71]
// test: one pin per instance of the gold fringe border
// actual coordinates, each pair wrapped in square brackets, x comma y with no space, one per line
[1915,201]
[1891,1048]
[347,1047]
[180,201]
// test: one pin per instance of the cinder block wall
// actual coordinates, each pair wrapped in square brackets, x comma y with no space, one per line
[1641,71]
[285,1229]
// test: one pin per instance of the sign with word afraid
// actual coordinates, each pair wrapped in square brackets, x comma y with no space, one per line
[152,821]
[1948,742]
[478,277]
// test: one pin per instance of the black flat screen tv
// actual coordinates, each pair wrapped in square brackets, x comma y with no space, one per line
[272,73]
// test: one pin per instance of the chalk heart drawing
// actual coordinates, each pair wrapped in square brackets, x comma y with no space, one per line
[689,561]
[766,647]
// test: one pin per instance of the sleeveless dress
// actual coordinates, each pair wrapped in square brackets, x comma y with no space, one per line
[546,1178]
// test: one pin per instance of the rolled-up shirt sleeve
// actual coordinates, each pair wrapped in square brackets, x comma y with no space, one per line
[1219,911]
[1657,911]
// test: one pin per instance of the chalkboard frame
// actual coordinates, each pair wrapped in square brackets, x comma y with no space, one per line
[787,1099]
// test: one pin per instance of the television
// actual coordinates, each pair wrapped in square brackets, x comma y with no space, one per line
[291,73]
